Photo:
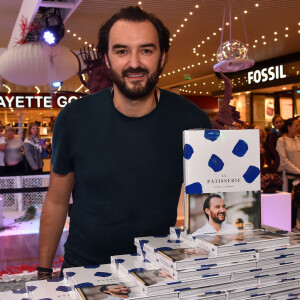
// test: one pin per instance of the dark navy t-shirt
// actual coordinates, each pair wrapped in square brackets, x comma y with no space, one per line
[128,171]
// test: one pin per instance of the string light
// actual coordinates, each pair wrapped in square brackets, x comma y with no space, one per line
[7,87]
[37,89]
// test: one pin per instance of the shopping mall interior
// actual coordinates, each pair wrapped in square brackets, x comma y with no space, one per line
[255,43]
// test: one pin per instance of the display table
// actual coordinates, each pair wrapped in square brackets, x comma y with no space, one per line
[276,210]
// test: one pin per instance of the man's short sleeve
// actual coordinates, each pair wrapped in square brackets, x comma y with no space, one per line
[61,144]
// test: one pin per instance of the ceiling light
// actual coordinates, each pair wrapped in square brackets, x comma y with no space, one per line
[263,37]
[286,28]
[284,88]
[196,6]
[256,5]
[275,32]
[68,31]
[214,33]
[245,11]
[286,35]
[185,19]
[191,12]
[275,39]
[235,18]
[182,25]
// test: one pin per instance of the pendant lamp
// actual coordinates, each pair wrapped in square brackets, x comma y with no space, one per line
[232,55]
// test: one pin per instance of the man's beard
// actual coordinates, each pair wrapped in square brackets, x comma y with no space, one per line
[137,91]
[216,219]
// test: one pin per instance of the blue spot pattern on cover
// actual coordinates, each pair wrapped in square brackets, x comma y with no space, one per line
[142,242]
[83,285]
[163,249]
[137,270]
[251,174]
[119,261]
[25,299]
[63,288]
[102,274]
[92,267]
[240,149]
[212,135]
[146,261]
[45,299]
[31,288]
[216,163]
[178,232]
[194,188]
[55,280]
[134,254]
[70,274]
[174,241]
[160,236]
[20,291]
[188,151]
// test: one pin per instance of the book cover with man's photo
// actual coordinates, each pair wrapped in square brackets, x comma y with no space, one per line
[226,212]
[119,291]
[101,282]
[223,164]
[192,257]
[240,241]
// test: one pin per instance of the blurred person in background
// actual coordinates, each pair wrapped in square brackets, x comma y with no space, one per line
[277,122]
[271,180]
[288,147]
[12,155]
[33,150]
[2,148]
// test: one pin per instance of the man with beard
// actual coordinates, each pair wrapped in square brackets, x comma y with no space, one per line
[214,208]
[118,151]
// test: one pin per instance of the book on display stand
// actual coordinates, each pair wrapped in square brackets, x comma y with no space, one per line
[57,288]
[223,164]
[153,280]
[219,295]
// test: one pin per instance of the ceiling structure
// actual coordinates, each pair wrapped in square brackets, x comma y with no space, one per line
[273,30]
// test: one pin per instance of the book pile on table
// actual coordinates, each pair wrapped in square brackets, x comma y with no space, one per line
[246,265]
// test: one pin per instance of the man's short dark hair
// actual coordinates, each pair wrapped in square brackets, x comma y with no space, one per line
[133,14]
[206,203]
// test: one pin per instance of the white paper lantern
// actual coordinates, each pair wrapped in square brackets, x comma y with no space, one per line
[37,63]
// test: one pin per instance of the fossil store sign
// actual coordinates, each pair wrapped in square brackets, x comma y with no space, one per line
[17,100]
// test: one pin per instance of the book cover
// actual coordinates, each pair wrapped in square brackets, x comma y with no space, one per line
[182,258]
[264,289]
[221,161]
[210,270]
[283,269]
[222,180]
[153,280]
[189,294]
[20,294]
[104,282]
[57,288]
[245,241]
[156,243]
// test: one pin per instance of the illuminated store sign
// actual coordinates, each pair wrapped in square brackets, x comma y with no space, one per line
[266,74]
[35,101]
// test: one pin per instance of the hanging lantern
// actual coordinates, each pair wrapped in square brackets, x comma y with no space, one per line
[37,63]
[232,55]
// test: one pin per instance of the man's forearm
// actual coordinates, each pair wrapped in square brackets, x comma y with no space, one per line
[54,215]
[52,223]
